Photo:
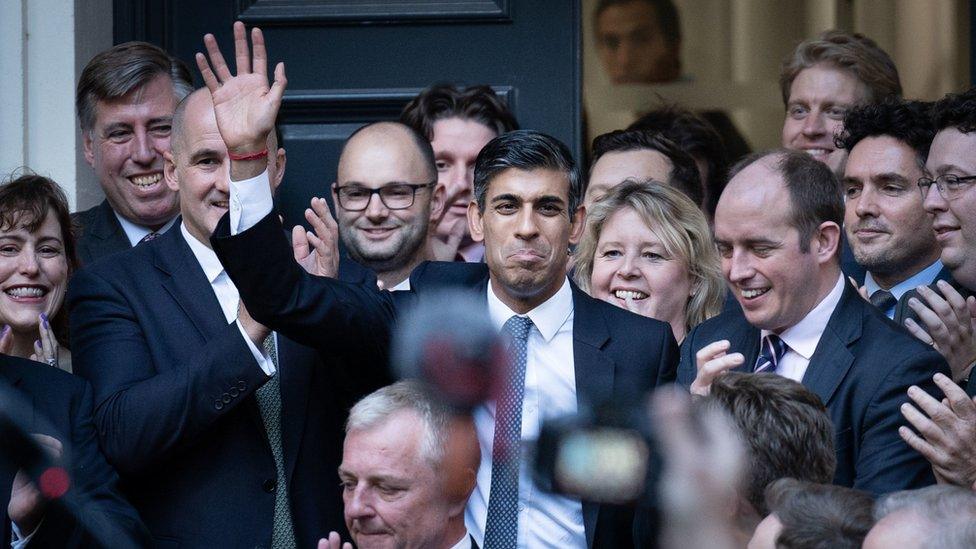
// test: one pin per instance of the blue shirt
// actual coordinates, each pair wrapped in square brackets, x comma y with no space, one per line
[921,278]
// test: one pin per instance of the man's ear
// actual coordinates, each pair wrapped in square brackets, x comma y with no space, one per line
[577,222]
[475,222]
[86,139]
[437,202]
[826,241]
[169,172]
[279,160]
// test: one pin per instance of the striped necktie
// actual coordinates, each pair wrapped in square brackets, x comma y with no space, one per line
[773,349]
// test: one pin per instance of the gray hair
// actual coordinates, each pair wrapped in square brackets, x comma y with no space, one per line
[377,407]
[119,70]
[948,511]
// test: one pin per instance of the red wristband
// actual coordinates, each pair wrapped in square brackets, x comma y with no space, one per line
[248,156]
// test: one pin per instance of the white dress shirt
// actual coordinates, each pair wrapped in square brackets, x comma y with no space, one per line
[464,543]
[135,233]
[226,294]
[803,337]
[921,278]
[544,520]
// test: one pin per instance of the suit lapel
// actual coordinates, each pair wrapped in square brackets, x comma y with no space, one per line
[295,368]
[187,284]
[594,373]
[833,358]
[107,231]
[744,338]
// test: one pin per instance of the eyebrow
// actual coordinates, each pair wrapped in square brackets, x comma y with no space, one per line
[892,176]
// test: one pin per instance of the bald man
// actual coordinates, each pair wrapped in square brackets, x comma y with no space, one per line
[386,198]
[224,433]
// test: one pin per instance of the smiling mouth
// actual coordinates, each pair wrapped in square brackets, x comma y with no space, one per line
[753,293]
[146,181]
[26,292]
[629,294]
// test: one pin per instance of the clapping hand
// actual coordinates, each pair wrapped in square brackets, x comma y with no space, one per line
[27,504]
[949,325]
[45,348]
[333,542]
[712,361]
[317,251]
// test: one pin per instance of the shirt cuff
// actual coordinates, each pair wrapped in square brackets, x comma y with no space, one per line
[264,361]
[250,201]
[17,540]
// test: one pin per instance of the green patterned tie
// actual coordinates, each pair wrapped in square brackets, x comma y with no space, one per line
[269,400]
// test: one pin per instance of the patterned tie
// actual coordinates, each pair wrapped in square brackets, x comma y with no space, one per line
[883,300]
[149,237]
[501,529]
[773,349]
[269,401]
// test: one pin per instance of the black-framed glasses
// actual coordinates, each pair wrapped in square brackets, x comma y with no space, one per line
[949,185]
[395,196]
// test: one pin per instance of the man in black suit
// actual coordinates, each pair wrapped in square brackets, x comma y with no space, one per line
[125,101]
[777,227]
[56,407]
[889,231]
[527,209]
[224,433]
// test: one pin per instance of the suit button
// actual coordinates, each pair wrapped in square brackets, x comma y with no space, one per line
[241,385]
[226,398]
[269,485]
[218,405]
[234,392]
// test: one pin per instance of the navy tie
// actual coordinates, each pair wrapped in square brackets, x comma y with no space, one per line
[501,528]
[883,300]
[773,349]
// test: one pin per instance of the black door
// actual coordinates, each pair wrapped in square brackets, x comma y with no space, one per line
[350,62]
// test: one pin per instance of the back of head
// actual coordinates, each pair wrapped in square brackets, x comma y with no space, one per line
[852,52]
[684,173]
[118,71]
[26,200]
[441,101]
[955,110]
[906,121]
[526,150]
[784,426]
[815,193]
[819,516]
[944,515]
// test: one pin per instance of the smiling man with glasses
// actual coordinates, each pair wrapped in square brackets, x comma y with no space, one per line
[386,199]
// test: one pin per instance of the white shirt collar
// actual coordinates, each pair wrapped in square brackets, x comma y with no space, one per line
[135,233]
[548,317]
[804,336]
[464,542]
[205,256]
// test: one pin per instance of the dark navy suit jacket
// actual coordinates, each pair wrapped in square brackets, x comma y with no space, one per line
[861,370]
[174,407]
[59,404]
[616,353]
[99,233]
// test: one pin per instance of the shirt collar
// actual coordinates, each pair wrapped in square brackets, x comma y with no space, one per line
[921,278]
[548,317]
[804,336]
[205,256]
[135,233]
[464,542]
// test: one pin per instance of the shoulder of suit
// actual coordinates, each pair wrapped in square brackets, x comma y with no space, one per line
[453,273]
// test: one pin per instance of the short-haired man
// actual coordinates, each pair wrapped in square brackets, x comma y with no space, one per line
[458,123]
[568,347]
[402,485]
[777,227]
[813,516]
[125,101]
[193,397]
[386,195]
[639,41]
[637,154]
[823,78]
[888,230]
[937,516]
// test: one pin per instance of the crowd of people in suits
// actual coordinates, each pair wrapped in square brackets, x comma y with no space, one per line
[796,324]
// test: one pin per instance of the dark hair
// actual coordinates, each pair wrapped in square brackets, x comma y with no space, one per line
[440,101]
[668,21]
[695,136]
[815,193]
[121,69]
[784,426]
[684,174]
[526,150]
[906,121]
[956,110]
[421,143]
[852,52]
[819,516]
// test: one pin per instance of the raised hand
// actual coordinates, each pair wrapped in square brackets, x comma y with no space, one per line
[45,348]
[712,361]
[948,432]
[949,325]
[333,542]
[245,106]
[317,251]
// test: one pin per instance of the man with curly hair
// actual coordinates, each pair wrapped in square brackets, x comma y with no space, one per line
[888,229]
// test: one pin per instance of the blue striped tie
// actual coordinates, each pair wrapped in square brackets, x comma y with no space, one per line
[773,349]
